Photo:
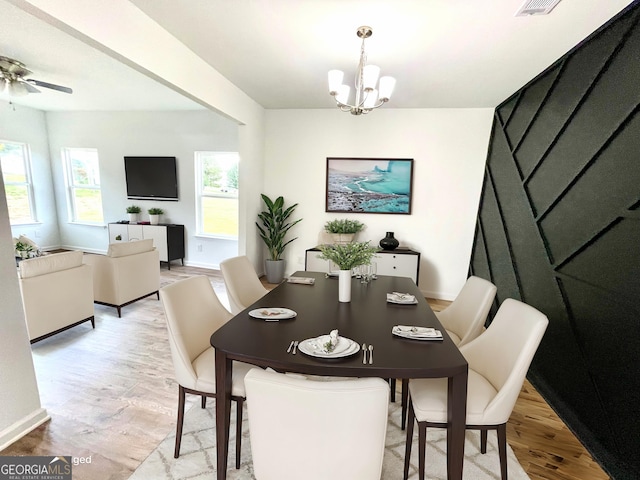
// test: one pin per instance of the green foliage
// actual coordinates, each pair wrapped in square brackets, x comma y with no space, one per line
[349,255]
[343,226]
[275,225]
[133,209]
[155,211]
[232,176]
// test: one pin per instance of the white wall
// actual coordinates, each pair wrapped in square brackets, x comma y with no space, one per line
[118,134]
[449,148]
[20,410]
[27,125]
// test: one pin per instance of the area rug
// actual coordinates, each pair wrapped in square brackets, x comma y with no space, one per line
[198,454]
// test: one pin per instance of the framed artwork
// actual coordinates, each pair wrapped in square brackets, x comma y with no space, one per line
[369,185]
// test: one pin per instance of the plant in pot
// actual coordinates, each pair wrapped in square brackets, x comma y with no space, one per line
[347,257]
[154,215]
[274,228]
[133,211]
[343,230]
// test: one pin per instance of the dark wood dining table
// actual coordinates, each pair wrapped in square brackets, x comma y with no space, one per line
[367,318]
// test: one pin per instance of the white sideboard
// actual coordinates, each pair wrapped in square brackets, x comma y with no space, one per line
[401,262]
[168,238]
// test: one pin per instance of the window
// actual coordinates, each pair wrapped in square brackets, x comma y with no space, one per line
[16,173]
[217,193]
[83,184]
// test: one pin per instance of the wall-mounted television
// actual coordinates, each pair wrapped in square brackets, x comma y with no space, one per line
[151,178]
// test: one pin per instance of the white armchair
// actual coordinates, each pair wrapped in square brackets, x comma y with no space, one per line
[57,293]
[130,271]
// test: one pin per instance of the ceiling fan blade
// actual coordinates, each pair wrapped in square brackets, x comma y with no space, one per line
[30,88]
[49,85]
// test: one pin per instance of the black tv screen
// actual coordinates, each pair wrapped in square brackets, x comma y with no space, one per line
[151,178]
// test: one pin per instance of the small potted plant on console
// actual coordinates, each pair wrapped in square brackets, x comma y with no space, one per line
[154,215]
[343,230]
[133,211]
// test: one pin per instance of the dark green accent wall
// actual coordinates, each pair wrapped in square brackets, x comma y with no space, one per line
[559,228]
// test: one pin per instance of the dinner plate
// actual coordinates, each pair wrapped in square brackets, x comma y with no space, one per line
[417,333]
[311,347]
[272,314]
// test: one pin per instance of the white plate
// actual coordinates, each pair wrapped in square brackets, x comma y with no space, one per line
[311,347]
[272,314]
[416,333]
[408,300]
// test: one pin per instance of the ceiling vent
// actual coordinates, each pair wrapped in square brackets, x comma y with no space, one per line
[536,7]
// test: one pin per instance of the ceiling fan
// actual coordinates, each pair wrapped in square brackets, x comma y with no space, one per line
[13,73]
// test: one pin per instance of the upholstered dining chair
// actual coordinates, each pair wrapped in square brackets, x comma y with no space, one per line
[193,313]
[463,319]
[498,362]
[242,282]
[301,428]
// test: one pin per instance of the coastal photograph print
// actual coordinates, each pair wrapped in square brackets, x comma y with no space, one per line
[369,185]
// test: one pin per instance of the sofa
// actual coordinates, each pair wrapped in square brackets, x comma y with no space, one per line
[57,293]
[130,271]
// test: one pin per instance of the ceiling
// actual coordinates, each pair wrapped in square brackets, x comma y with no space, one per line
[443,53]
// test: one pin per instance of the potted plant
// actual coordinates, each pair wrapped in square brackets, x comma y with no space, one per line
[347,256]
[133,211]
[274,228]
[344,230]
[154,215]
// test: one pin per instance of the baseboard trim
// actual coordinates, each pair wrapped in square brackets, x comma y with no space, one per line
[22,427]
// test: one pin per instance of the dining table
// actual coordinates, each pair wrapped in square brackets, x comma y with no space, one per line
[367,319]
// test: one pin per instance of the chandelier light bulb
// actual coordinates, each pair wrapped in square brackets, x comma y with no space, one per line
[366,96]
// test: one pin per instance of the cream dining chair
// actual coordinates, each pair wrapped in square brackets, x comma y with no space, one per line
[463,319]
[498,363]
[242,282]
[193,313]
[316,430]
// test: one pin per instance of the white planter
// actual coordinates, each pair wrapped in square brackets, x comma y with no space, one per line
[133,218]
[154,219]
[344,286]
[342,238]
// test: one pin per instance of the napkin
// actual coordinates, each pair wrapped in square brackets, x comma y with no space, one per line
[410,331]
[397,297]
[302,280]
[328,346]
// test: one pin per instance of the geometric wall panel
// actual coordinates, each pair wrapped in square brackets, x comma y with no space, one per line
[559,228]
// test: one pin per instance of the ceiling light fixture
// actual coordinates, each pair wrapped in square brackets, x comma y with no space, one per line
[367,97]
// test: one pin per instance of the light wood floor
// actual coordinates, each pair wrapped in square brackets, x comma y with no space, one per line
[112,398]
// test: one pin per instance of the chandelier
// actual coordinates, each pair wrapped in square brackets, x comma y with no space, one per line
[367,97]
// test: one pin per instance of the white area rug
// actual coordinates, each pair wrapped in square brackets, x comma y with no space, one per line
[198,455]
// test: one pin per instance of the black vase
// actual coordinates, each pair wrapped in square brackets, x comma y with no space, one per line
[389,242]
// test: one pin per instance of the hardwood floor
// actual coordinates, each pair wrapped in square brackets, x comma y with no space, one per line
[112,398]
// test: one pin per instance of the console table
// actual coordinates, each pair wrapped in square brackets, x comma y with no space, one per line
[401,262]
[168,238]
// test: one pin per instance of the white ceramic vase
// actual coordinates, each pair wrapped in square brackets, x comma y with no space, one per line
[154,219]
[133,218]
[344,286]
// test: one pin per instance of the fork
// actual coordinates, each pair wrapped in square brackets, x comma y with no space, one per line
[364,350]
[295,346]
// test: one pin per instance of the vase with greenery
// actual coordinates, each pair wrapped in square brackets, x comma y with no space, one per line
[154,215]
[347,257]
[343,230]
[274,226]
[133,211]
